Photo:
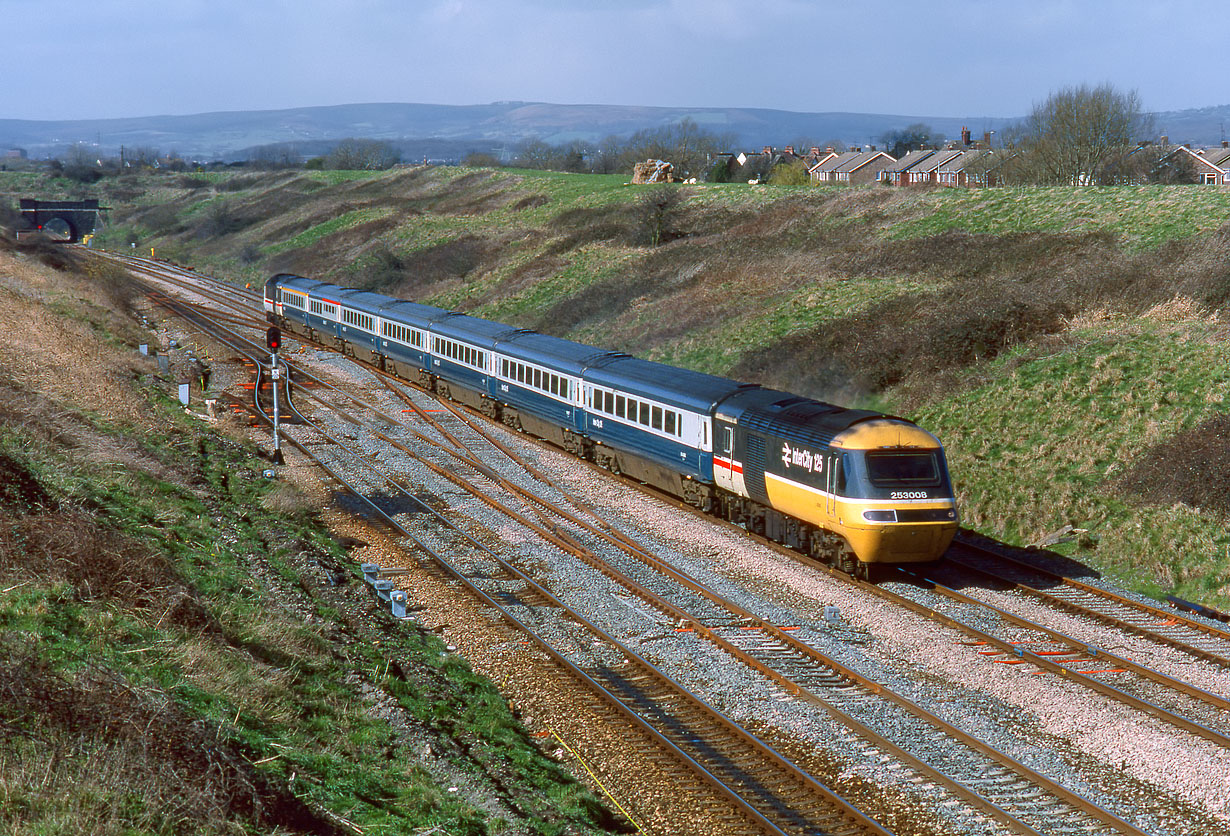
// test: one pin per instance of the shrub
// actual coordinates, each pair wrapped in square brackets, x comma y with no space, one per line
[657,214]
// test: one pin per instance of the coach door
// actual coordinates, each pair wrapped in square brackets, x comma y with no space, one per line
[830,485]
[727,472]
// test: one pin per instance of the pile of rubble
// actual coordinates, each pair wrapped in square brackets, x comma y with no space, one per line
[653,171]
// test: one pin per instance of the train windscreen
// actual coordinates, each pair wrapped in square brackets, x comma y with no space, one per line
[903,468]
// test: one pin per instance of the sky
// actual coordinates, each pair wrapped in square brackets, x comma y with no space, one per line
[85,59]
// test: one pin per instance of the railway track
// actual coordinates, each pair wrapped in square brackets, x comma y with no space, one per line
[765,790]
[793,666]
[1165,626]
[769,650]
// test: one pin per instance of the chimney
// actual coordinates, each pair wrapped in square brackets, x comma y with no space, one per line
[1225,143]
[986,138]
[828,149]
[871,148]
[789,150]
[1187,145]
[1165,140]
[965,136]
[768,150]
[815,152]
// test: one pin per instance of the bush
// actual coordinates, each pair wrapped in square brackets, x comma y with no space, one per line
[793,173]
[657,214]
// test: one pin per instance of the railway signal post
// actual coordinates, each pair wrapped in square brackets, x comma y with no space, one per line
[273,339]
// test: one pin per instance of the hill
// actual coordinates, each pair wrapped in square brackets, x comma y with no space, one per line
[1067,345]
[450,130]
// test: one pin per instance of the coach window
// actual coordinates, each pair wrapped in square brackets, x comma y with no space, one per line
[670,422]
[645,414]
[609,406]
[657,418]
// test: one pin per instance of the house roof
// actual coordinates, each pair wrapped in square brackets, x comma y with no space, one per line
[861,159]
[824,157]
[1219,157]
[909,161]
[831,163]
[937,159]
[1202,161]
[959,162]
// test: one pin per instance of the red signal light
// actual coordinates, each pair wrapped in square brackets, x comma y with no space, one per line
[273,338]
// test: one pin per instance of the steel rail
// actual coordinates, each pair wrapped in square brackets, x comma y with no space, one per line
[1074,645]
[1116,600]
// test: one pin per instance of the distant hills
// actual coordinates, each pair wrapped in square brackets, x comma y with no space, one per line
[450,131]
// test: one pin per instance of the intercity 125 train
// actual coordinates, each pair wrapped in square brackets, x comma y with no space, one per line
[850,487]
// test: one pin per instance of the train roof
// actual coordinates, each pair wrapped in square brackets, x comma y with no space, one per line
[563,355]
[480,332]
[304,284]
[680,387]
[414,313]
[794,417]
[366,301]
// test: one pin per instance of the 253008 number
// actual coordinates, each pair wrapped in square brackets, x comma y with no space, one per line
[908,495]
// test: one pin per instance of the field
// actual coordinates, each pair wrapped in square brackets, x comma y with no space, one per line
[1067,345]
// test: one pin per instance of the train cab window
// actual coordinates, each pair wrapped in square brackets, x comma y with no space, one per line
[728,440]
[902,468]
[656,418]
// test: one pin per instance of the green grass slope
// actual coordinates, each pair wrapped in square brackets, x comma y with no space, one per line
[178,653]
[1059,341]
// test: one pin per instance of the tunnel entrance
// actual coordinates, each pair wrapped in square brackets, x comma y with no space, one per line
[60,220]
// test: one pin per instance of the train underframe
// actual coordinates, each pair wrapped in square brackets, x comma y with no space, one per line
[825,546]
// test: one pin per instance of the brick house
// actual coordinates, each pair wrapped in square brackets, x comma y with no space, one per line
[897,174]
[927,170]
[863,167]
[954,173]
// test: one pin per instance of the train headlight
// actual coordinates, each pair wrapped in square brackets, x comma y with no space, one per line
[880,516]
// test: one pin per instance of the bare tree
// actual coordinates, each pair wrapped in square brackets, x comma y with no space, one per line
[910,138]
[362,155]
[605,159]
[535,152]
[1077,130]
[684,144]
[657,212]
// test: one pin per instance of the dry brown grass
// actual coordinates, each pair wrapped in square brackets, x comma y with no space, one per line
[66,359]
[1192,468]
[149,763]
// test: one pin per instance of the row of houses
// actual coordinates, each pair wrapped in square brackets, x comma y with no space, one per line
[957,164]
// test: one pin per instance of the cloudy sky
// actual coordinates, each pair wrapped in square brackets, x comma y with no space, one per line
[108,58]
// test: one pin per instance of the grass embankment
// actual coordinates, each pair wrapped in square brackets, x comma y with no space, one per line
[993,317]
[173,658]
